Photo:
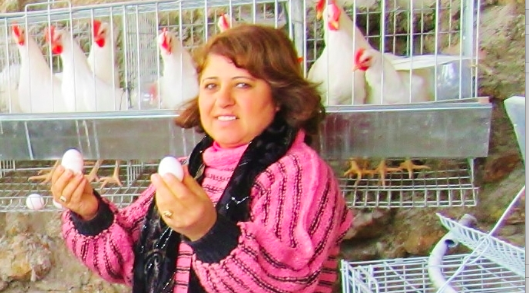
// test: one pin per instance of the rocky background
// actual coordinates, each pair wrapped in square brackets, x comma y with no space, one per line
[34,259]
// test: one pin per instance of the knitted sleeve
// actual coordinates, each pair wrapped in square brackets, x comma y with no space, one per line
[291,243]
[105,244]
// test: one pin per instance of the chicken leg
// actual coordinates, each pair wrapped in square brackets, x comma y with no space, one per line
[92,176]
[410,166]
[382,169]
[112,179]
[47,176]
[357,167]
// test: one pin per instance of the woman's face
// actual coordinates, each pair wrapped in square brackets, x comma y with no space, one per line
[234,106]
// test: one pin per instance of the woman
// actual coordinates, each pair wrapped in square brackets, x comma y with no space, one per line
[257,211]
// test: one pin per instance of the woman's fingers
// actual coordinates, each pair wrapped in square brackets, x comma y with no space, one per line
[77,194]
[70,188]
[165,198]
[60,183]
[56,174]
[192,184]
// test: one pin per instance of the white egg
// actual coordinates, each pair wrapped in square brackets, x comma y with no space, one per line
[35,201]
[73,160]
[171,165]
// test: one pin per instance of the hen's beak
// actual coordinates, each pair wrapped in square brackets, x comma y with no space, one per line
[334,25]
[319,14]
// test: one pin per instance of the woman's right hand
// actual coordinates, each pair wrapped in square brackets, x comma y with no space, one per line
[74,192]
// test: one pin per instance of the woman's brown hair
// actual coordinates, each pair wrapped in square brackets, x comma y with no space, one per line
[268,54]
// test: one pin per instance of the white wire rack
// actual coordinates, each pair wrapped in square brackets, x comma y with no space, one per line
[487,246]
[410,275]
[400,29]
[447,186]
[15,187]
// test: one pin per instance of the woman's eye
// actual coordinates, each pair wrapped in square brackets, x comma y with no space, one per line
[209,86]
[242,85]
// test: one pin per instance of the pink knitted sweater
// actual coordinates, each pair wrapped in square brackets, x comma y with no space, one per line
[291,243]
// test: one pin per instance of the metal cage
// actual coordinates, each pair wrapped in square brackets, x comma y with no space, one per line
[453,124]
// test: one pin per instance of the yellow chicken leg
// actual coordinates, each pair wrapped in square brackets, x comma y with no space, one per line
[112,179]
[92,176]
[46,176]
[410,166]
[357,167]
[382,169]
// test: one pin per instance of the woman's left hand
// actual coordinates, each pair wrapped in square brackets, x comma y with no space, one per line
[184,205]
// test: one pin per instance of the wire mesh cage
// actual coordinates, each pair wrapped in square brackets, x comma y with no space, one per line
[15,187]
[411,275]
[121,38]
[429,54]
[426,43]
[430,59]
[442,185]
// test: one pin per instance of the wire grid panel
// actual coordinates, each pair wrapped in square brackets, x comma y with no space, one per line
[133,30]
[487,246]
[448,186]
[15,187]
[410,275]
[6,166]
[431,54]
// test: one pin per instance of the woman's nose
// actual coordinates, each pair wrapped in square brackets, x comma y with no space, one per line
[224,97]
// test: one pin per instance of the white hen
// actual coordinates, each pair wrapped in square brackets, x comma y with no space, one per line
[39,91]
[81,89]
[179,82]
[332,69]
[386,85]
[9,78]
[102,56]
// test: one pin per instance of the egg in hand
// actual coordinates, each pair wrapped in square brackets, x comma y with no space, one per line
[73,161]
[171,165]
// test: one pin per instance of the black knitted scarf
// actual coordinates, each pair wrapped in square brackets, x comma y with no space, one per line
[157,249]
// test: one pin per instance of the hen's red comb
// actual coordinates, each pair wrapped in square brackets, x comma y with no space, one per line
[96,25]
[320,5]
[17,31]
[225,22]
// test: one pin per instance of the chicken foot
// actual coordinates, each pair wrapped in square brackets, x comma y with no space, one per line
[112,179]
[382,170]
[409,166]
[357,167]
[92,176]
[46,176]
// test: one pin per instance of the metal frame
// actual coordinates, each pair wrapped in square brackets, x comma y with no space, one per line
[410,275]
